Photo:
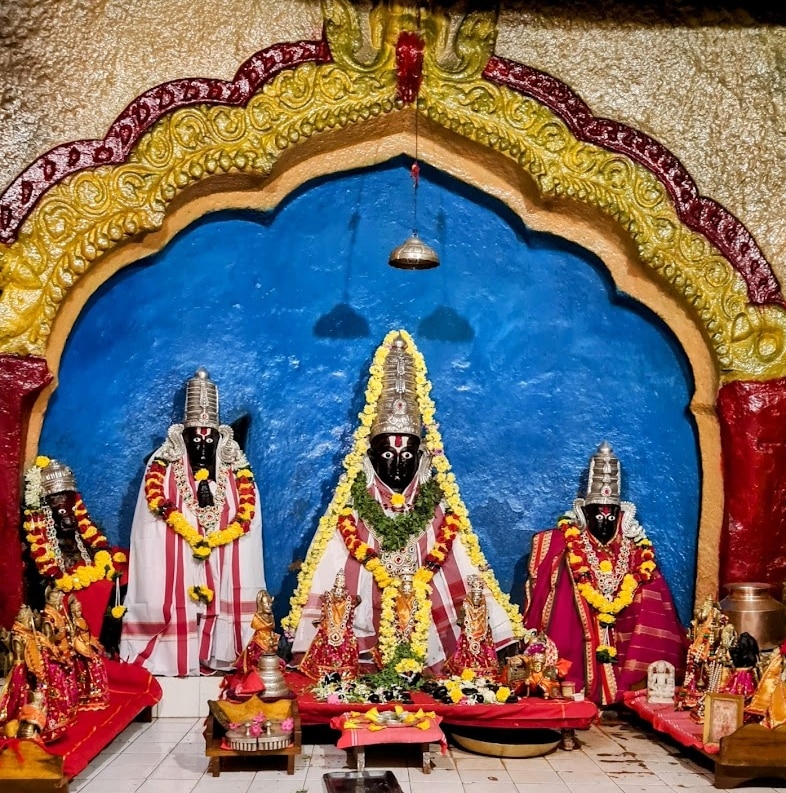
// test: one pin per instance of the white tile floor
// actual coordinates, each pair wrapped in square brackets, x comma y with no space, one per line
[168,756]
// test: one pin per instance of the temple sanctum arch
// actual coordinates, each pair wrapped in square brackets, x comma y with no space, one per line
[196,155]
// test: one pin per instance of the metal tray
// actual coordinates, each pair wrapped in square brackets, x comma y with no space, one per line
[361,782]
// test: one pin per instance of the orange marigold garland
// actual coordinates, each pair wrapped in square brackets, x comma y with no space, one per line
[369,558]
[201,545]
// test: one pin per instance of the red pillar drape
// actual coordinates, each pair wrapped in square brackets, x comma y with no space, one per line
[753,440]
[20,380]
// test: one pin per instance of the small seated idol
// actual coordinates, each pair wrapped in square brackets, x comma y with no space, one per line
[595,589]
[475,646]
[660,682]
[537,670]
[768,702]
[397,521]
[334,647]
[195,565]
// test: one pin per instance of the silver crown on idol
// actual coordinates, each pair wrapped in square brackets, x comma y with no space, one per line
[57,477]
[398,412]
[201,401]
[603,484]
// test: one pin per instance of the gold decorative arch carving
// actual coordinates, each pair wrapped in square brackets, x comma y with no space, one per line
[329,107]
[348,110]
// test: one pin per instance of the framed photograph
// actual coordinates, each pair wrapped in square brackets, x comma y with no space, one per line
[723,714]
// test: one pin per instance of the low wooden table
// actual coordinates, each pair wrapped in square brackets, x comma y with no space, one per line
[217,750]
[357,732]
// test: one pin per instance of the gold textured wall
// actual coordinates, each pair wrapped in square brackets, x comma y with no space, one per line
[709,85]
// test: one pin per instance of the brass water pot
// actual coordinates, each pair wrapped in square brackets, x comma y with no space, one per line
[750,607]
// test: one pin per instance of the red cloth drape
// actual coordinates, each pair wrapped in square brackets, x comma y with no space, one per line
[131,689]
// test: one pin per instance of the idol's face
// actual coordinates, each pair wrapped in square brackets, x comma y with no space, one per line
[602,520]
[395,459]
[62,506]
[201,444]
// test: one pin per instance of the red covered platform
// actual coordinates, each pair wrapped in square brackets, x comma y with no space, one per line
[677,724]
[530,713]
[132,691]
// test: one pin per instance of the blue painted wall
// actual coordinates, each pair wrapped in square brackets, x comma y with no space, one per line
[534,357]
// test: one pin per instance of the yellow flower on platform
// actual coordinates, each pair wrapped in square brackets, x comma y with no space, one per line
[503,692]
[42,461]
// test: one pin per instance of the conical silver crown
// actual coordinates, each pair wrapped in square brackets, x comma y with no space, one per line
[201,401]
[603,484]
[398,411]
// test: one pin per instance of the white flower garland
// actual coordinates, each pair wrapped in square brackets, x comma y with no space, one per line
[353,465]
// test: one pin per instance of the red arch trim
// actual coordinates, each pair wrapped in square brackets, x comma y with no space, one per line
[702,215]
[19,199]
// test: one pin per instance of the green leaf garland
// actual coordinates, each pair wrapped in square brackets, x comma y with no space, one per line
[395,532]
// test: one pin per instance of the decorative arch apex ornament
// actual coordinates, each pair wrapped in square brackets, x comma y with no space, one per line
[185,132]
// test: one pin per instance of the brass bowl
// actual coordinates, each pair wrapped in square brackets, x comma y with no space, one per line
[506,743]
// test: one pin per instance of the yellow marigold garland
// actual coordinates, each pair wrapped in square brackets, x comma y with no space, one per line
[201,545]
[353,463]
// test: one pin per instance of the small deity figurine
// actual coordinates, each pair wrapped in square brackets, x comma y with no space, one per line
[89,665]
[406,609]
[28,672]
[594,586]
[541,678]
[475,647]
[196,560]
[334,647]
[538,669]
[704,637]
[745,657]
[265,639]
[32,717]
[59,656]
[660,682]
[768,702]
